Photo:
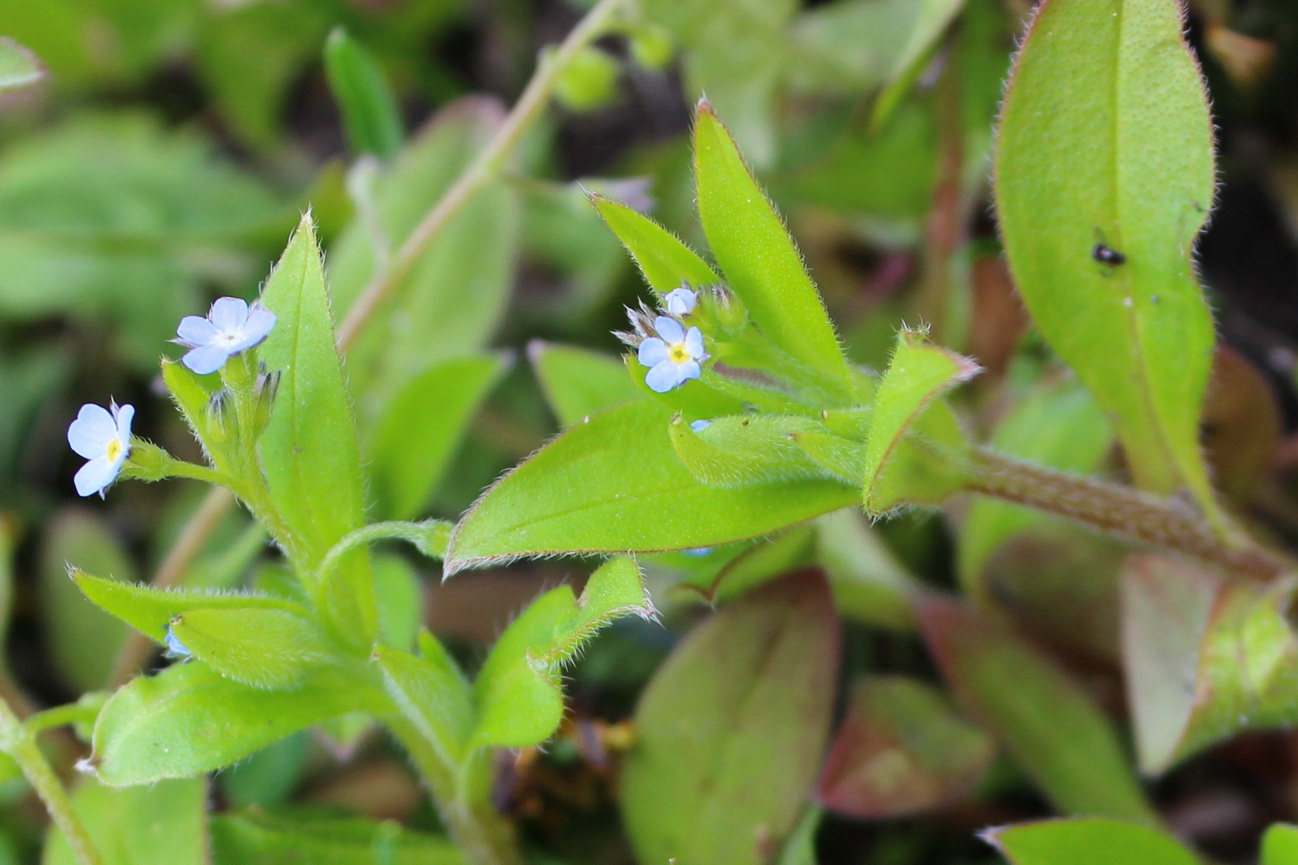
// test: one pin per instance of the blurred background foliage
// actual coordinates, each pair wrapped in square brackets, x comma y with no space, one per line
[167,155]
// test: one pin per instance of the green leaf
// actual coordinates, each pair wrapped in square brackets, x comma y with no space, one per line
[915,447]
[18,66]
[256,838]
[931,20]
[422,426]
[869,583]
[614,484]
[1205,659]
[578,382]
[1085,842]
[732,729]
[901,749]
[663,259]
[369,109]
[151,610]
[760,262]
[262,648]
[400,599]
[164,823]
[188,720]
[1280,845]
[1044,718]
[1130,120]
[518,693]
[744,450]
[432,694]
[268,778]
[83,643]
[309,451]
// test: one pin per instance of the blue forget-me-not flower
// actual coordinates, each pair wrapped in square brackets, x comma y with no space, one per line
[231,326]
[673,355]
[103,436]
[680,301]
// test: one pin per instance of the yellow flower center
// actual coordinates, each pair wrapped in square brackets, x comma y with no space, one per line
[114,450]
[677,353]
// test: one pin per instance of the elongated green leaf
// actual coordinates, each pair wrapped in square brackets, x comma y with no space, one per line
[369,109]
[897,468]
[256,838]
[1205,659]
[150,610]
[931,20]
[869,584]
[901,749]
[731,730]
[578,382]
[614,484]
[742,450]
[432,694]
[160,824]
[1041,715]
[663,258]
[18,66]
[1085,842]
[1280,845]
[262,648]
[517,694]
[1100,252]
[188,720]
[758,258]
[309,451]
[421,428]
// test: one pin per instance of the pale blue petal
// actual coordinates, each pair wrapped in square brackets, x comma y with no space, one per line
[228,313]
[206,358]
[175,648]
[700,425]
[653,351]
[669,329]
[125,414]
[686,371]
[91,432]
[258,326]
[195,330]
[694,342]
[663,377]
[680,301]
[94,476]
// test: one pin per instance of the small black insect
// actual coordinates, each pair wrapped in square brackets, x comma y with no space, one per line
[1105,254]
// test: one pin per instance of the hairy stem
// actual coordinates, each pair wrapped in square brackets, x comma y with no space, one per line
[18,742]
[485,837]
[1124,512]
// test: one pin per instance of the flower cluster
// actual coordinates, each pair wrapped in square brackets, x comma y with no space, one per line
[103,435]
[673,353]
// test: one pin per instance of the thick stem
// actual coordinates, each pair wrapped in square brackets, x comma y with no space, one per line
[1124,512]
[485,837]
[19,743]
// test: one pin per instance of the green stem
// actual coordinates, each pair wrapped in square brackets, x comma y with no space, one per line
[484,836]
[483,170]
[18,742]
[1122,511]
[58,716]
[429,536]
